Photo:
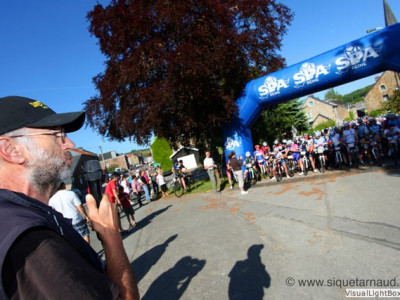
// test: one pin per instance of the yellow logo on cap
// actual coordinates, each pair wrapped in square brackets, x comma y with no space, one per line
[38,104]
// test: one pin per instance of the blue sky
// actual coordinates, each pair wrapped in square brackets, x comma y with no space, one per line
[48,54]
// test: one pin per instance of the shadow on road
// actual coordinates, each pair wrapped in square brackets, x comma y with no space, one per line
[174,282]
[146,221]
[249,277]
[143,263]
[392,170]
[141,223]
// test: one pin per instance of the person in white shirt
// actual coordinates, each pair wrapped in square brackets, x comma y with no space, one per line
[68,203]
[161,182]
[210,165]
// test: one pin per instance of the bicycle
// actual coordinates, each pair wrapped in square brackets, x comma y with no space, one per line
[252,175]
[338,155]
[321,158]
[278,170]
[353,152]
[393,148]
[176,185]
[376,156]
[190,182]
[306,161]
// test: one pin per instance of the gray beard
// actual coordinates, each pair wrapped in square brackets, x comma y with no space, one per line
[46,171]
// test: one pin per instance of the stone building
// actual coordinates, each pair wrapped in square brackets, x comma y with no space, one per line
[318,111]
[384,87]
[123,161]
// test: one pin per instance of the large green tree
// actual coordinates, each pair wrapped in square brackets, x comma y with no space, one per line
[278,121]
[175,68]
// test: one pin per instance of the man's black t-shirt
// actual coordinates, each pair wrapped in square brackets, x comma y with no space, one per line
[41,264]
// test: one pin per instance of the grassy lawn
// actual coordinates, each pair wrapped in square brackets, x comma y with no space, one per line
[201,186]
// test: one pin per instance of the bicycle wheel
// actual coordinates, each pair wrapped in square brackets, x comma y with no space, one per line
[355,158]
[278,175]
[188,184]
[321,161]
[178,189]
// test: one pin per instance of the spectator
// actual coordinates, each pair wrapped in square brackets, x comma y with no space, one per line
[237,170]
[144,184]
[210,165]
[127,207]
[112,192]
[153,178]
[161,182]
[68,203]
[137,189]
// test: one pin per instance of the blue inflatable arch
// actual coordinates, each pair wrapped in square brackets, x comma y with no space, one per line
[374,53]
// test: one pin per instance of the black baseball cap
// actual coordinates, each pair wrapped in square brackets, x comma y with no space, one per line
[18,112]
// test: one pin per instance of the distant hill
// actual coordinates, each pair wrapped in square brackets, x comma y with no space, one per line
[356,96]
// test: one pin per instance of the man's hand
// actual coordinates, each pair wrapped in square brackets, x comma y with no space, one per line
[104,218]
[119,270]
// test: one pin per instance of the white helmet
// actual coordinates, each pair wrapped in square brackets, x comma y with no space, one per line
[276,142]
[265,144]
[284,141]
[318,133]
[289,142]
[247,154]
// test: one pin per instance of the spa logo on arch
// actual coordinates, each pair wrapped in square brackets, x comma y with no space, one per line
[356,57]
[309,73]
[272,87]
[232,143]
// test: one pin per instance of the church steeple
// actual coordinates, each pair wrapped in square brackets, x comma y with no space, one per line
[389,15]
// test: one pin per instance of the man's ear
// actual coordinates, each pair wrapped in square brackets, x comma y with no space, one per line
[11,151]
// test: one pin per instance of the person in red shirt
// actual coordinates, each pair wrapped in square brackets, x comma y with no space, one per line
[127,207]
[112,192]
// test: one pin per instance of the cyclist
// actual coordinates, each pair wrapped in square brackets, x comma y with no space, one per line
[350,138]
[279,158]
[259,158]
[295,150]
[392,133]
[265,148]
[249,163]
[362,132]
[319,142]
[376,131]
[309,144]
[336,139]
[177,171]
[277,145]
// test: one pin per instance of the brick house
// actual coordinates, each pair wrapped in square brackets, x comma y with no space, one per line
[124,161]
[318,111]
[384,87]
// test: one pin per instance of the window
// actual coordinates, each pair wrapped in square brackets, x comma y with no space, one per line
[385,98]
[382,87]
[311,103]
[309,114]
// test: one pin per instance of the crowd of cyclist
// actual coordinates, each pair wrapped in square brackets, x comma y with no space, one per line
[365,141]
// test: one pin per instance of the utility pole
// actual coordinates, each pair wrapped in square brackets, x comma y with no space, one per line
[102,157]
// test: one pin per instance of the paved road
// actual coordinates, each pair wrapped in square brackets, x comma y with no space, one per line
[334,226]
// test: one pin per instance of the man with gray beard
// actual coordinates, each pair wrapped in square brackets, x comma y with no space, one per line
[41,255]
